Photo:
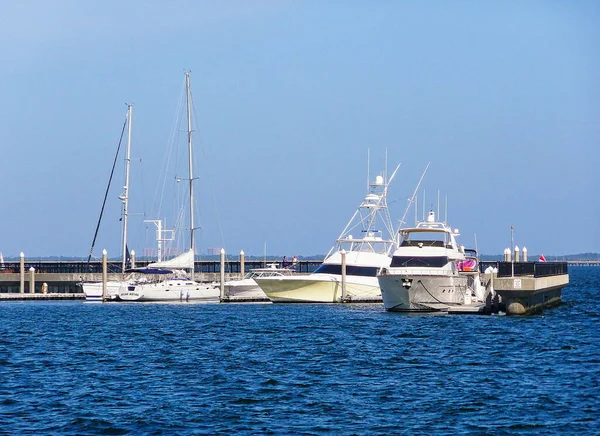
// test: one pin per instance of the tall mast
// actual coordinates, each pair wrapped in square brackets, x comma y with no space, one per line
[190,166]
[125,196]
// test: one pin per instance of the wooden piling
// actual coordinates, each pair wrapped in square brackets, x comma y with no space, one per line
[222,271]
[32,280]
[242,264]
[344,294]
[22,273]
[104,275]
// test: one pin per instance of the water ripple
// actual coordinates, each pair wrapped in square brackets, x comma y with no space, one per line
[76,368]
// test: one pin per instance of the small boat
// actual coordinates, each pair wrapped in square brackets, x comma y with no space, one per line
[430,271]
[364,256]
[94,291]
[247,290]
[173,284]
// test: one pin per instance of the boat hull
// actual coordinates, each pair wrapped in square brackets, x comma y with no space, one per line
[415,293]
[94,290]
[317,288]
[249,291]
[170,291]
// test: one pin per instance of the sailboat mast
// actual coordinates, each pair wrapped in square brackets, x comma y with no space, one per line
[190,166]
[125,196]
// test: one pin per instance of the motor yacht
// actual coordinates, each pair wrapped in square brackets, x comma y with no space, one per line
[429,271]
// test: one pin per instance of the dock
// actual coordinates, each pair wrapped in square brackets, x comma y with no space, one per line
[527,287]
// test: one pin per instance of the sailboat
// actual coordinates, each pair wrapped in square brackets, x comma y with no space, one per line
[364,256]
[166,280]
[94,290]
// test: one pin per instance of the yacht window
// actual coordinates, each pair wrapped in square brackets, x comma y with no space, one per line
[351,270]
[419,261]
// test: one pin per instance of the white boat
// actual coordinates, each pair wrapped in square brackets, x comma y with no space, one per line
[247,290]
[173,284]
[364,256]
[94,291]
[430,271]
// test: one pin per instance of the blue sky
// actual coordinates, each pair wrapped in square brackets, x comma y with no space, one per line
[502,97]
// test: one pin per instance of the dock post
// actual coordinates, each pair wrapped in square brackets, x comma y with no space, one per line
[104,274]
[524,254]
[32,280]
[517,252]
[344,296]
[132,259]
[222,271]
[22,273]
[242,264]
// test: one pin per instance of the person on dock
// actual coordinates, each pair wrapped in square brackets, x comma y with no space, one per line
[286,262]
[294,261]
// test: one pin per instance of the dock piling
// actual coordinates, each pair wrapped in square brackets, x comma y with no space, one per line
[104,274]
[344,296]
[222,270]
[32,280]
[22,273]
[242,264]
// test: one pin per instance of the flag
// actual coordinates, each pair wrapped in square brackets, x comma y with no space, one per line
[542,258]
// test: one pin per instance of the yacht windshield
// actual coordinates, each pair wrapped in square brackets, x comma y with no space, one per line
[351,270]
[425,239]
[419,261]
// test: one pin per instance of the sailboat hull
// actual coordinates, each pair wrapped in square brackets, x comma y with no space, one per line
[93,290]
[170,290]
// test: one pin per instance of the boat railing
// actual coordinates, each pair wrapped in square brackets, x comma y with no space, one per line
[416,271]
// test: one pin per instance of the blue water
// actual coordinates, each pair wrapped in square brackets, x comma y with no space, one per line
[93,368]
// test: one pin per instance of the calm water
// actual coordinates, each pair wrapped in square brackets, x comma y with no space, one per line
[85,368]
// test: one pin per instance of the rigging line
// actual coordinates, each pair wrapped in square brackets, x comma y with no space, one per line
[112,171]
[210,185]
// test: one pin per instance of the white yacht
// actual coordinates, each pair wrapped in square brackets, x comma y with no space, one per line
[364,255]
[173,284]
[94,291]
[430,271]
[247,289]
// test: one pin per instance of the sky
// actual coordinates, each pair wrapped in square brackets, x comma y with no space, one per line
[502,98]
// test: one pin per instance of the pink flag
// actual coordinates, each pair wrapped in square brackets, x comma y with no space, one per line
[542,258]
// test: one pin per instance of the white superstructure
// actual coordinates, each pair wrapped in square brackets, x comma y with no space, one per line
[366,251]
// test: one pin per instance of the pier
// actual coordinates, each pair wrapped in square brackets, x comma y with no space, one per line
[527,287]
[63,277]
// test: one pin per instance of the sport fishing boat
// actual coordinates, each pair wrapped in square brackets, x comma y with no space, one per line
[364,256]
[174,284]
[430,271]
[247,289]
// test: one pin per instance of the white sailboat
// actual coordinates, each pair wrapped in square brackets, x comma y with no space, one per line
[94,290]
[364,256]
[167,281]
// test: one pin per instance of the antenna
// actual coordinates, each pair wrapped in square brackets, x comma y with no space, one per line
[424,205]
[368,168]
[416,209]
[386,166]
[476,248]
[413,199]
[438,206]
[446,212]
